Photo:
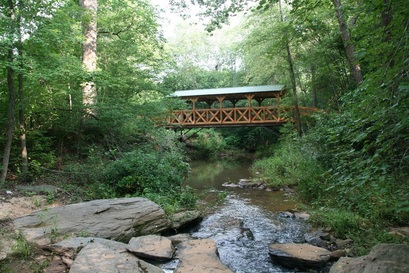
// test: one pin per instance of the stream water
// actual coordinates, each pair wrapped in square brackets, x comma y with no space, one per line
[248,221]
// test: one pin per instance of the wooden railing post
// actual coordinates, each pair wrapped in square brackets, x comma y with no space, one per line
[249,98]
[221,99]
[194,100]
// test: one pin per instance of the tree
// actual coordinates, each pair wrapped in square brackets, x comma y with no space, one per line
[205,61]
[10,85]
[297,119]
[348,44]
[89,55]
[20,77]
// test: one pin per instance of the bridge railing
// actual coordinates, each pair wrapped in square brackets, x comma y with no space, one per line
[227,116]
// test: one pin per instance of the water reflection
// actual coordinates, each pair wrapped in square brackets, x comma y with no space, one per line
[209,176]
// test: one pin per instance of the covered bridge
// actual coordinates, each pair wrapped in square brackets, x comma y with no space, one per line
[233,106]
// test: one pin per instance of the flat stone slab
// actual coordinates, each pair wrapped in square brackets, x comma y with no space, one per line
[69,248]
[99,258]
[199,256]
[152,247]
[301,256]
[116,219]
[383,258]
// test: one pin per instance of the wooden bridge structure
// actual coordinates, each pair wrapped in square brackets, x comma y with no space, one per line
[235,106]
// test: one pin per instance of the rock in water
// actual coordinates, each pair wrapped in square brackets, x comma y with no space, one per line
[152,247]
[99,258]
[383,258]
[116,219]
[300,256]
[199,256]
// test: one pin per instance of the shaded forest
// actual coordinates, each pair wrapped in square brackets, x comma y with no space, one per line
[83,85]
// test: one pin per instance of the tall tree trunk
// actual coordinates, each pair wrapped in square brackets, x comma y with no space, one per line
[387,17]
[89,54]
[22,118]
[313,88]
[349,47]
[297,119]
[12,99]
[22,121]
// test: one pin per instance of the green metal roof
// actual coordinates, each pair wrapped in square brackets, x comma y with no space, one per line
[229,91]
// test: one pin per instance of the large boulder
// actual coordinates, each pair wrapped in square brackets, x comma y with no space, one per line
[383,258]
[300,256]
[199,256]
[152,247]
[116,219]
[99,258]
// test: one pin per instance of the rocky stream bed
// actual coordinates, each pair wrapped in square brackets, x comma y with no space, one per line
[123,235]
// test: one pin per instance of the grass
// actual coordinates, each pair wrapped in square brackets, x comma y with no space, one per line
[365,233]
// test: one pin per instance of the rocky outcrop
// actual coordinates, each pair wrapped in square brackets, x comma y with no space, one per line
[99,258]
[300,256]
[199,256]
[183,218]
[69,248]
[383,258]
[152,247]
[116,219]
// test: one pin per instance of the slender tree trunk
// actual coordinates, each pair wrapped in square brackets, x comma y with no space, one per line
[89,54]
[314,88]
[292,76]
[294,87]
[22,119]
[21,114]
[12,99]
[349,47]
[387,17]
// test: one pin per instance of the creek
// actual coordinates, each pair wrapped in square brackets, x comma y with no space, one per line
[248,220]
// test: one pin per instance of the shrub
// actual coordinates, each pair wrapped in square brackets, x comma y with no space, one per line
[293,163]
[143,170]
[157,175]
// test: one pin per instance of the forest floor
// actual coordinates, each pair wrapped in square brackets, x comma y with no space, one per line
[17,202]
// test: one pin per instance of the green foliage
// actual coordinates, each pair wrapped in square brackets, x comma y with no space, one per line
[366,156]
[250,138]
[22,246]
[342,223]
[206,143]
[292,163]
[364,232]
[174,200]
[143,170]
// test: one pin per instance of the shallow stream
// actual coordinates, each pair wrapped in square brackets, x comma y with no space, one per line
[248,221]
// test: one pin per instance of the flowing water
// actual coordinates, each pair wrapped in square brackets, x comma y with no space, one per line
[248,221]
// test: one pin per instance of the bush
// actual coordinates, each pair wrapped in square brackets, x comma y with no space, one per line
[365,159]
[143,170]
[157,175]
[207,143]
[364,232]
[293,163]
